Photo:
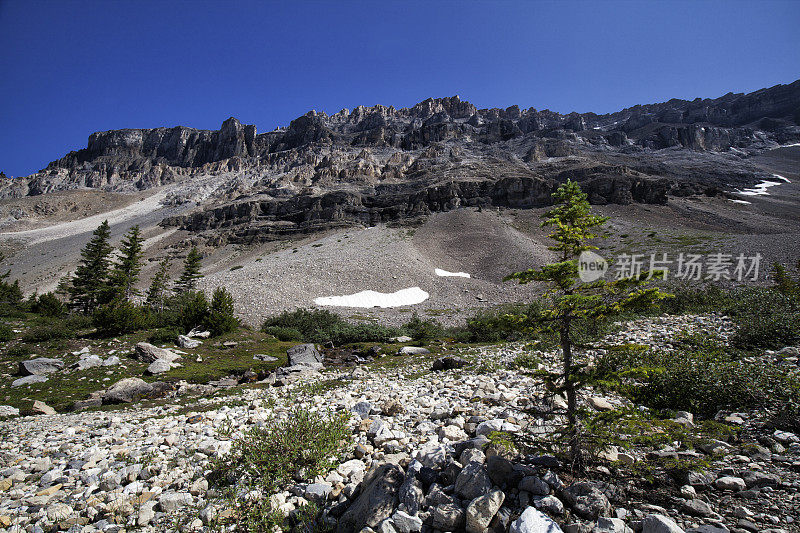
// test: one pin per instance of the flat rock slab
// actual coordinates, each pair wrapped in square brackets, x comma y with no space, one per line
[40,366]
[413,350]
[28,380]
[127,390]
[303,354]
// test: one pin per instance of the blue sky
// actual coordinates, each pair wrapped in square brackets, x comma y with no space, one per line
[69,68]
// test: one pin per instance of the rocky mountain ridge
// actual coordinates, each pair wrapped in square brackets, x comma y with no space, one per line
[381,164]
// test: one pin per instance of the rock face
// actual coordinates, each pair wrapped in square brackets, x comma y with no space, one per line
[147,353]
[383,164]
[127,390]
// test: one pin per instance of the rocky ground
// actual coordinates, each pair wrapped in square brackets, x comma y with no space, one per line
[421,457]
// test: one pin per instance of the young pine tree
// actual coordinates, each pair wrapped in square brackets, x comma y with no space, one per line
[187,282]
[571,300]
[90,282]
[158,292]
[125,272]
[220,317]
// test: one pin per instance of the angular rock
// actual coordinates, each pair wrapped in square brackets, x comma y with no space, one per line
[449,363]
[406,523]
[473,481]
[302,354]
[657,523]
[377,500]
[41,408]
[482,509]
[7,410]
[587,500]
[28,380]
[147,353]
[127,390]
[730,483]
[533,520]
[40,366]
[448,517]
[159,366]
[413,350]
[187,342]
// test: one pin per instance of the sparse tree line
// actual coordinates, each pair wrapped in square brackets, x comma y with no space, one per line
[104,283]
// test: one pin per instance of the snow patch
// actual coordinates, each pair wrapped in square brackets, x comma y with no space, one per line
[739,201]
[410,296]
[786,146]
[761,188]
[445,273]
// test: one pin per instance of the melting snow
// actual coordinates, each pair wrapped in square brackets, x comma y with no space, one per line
[410,296]
[761,188]
[445,273]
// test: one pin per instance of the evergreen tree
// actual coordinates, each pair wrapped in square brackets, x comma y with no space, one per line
[10,293]
[125,272]
[191,272]
[572,301]
[158,292]
[90,283]
[220,317]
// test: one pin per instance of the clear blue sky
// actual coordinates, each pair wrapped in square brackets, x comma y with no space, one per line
[69,68]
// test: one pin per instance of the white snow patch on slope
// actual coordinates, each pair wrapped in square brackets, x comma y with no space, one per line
[410,296]
[445,273]
[761,188]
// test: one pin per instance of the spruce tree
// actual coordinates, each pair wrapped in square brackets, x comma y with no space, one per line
[572,301]
[90,283]
[125,272]
[221,318]
[158,292]
[187,282]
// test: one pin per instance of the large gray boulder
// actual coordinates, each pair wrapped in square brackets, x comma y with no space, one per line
[377,500]
[303,354]
[482,509]
[147,353]
[587,500]
[159,366]
[534,521]
[473,481]
[40,366]
[127,390]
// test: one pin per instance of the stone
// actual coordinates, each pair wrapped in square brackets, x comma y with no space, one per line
[317,492]
[432,454]
[7,410]
[499,469]
[610,525]
[600,404]
[377,500]
[490,426]
[392,408]
[533,520]
[87,362]
[111,361]
[172,501]
[303,353]
[200,334]
[401,339]
[406,523]
[730,483]
[657,523]
[697,507]
[41,408]
[481,510]
[28,380]
[159,366]
[535,485]
[127,390]
[411,495]
[147,353]
[264,358]
[448,517]
[188,343]
[473,481]
[449,363]
[412,350]
[587,500]
[40,366]
[551,504]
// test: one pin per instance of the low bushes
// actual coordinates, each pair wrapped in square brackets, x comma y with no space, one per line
[48,332]
[266,458]
[321,326]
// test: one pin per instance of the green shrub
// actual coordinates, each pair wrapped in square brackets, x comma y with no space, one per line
[78,322]
[700,376]
[48,305]
[267,458]
[284,334]
[320,326]
[503,324]
[423,330]
[6,333]
[20,350]
[48,332]
[164,336]
[764,318]
[192,310]
[220,319]
[119,318]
